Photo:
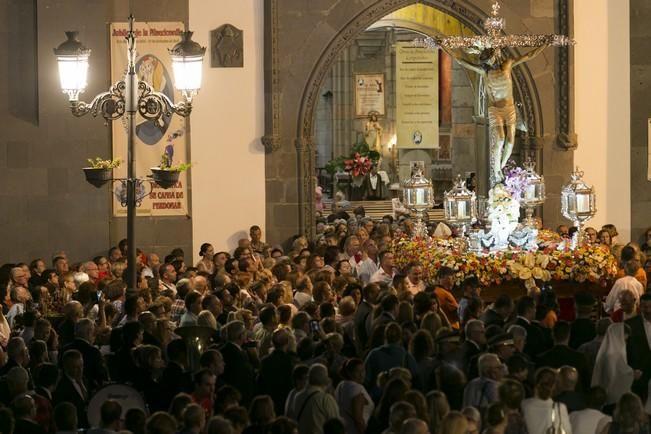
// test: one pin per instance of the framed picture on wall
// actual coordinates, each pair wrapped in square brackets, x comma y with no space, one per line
[369,94]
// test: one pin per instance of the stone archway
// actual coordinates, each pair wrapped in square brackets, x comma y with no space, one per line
[298,102]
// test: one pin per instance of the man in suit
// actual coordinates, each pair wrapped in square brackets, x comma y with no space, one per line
[24,412]
[238,371]
[45,379]
[17,355]
[71,387]
[474,345]
[499,312]
[174,378]
[526,311]
[95,372]
[562,355]
[583,327]
[638,346]
[364,310]
[275,378]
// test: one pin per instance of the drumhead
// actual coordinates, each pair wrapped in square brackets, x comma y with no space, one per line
[127,396]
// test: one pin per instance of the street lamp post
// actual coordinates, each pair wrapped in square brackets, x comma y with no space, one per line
[130,97]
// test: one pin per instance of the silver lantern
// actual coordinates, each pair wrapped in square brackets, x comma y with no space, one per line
[578,203]
[418,196]
[460,205]
[533,193]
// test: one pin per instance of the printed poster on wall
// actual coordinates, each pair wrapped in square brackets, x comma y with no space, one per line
[369,94]
[417,97]
[649,149]
[166,135]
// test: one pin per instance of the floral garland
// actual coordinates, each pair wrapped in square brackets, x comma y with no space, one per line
[589,263]
[358,165]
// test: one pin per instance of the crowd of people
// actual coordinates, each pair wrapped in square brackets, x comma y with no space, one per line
[326,336]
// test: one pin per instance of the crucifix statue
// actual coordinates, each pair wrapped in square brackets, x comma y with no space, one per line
[495,67]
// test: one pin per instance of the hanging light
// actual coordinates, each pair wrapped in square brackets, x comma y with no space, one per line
[72,57]
[418,196]
[533,194]
[578,203]
[187,64]
[460,205]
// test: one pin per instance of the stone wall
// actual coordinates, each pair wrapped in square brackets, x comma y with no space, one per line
[304,40]
[47,205]
[640,113]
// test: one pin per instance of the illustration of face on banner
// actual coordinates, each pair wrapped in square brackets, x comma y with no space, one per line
[162,139]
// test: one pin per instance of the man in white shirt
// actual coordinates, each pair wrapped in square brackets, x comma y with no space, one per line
[369,263]
[386,271]
[591,420]
[414,281]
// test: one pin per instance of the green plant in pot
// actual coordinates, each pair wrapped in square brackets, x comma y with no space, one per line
[100,171]
[167,175]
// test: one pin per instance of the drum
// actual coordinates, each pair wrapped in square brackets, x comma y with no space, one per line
[127,396]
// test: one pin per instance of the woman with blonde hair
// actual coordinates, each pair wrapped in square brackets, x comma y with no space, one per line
[431,323]
[437,409]
[454,423]
[629,417]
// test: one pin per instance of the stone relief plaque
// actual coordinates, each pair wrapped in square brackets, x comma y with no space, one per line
[227,47]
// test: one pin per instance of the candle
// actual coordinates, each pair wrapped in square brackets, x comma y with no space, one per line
[582,203]
[461,210]
[530,192]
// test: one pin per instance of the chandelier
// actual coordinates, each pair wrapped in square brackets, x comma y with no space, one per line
[494,37]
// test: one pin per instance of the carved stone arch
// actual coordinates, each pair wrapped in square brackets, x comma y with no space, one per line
[465,12]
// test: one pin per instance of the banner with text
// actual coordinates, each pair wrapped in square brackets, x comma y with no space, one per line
[154,138]
[417,97]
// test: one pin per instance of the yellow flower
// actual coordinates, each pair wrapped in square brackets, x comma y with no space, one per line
[529,284]
[537,273]
[525,274]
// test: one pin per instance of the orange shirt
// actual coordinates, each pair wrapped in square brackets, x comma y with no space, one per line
[640,276]
[448,305]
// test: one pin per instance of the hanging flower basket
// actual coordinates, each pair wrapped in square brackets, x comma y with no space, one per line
[98,176]
[166,178]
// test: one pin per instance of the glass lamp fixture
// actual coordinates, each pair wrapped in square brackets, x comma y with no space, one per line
[460,205]
[418,196]
[578,203]
[187,64]
[130,97]
[72,58]
[533,193]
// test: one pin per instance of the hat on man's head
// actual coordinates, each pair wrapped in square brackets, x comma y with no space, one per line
[447,336]
[501,340]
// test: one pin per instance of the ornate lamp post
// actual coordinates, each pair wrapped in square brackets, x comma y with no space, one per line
[130,97]
[460,205]
[578,203]
[418,196]
[533,194]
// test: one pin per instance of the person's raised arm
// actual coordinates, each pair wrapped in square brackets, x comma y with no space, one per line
[530,55]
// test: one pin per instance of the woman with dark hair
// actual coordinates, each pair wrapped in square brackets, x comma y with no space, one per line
[206,263]
[343,268]
[629,417]
[37,353]
[149,362]
[261,415]
[422,348]
[511,393]
[394,391]
[355,404]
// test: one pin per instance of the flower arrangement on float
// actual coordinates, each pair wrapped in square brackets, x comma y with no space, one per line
[588,263]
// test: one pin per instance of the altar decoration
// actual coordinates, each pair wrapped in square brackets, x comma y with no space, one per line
[587,264]
[533,195]
[358,163]
[460,205]
[578,203]
[418,196]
